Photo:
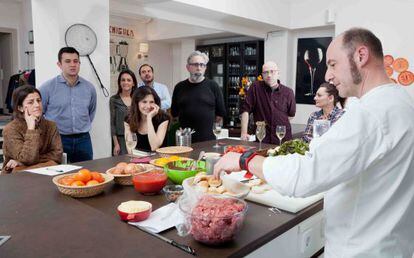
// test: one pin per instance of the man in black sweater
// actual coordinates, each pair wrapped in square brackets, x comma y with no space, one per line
[197,101]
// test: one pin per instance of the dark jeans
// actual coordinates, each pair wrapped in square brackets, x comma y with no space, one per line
[78,147]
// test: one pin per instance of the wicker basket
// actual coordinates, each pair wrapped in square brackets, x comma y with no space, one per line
[127,179]
[82,191]
[183,151]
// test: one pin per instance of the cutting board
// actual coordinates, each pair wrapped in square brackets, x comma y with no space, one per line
[274,199]
[291,204]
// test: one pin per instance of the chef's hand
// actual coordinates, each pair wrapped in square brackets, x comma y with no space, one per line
[154,111]
[228,163]
[30,120]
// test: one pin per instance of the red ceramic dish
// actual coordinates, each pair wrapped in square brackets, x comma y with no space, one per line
[151,182]
[145,211]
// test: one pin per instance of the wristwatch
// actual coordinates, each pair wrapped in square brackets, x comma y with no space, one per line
[245,159]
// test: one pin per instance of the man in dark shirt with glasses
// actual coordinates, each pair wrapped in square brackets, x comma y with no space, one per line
[197,101]
[269,101]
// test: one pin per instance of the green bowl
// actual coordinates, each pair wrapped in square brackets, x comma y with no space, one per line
[179,170]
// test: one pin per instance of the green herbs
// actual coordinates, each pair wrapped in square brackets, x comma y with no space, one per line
[290,147]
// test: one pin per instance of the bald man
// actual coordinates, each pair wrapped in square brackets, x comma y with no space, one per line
[364,163]
[269,101]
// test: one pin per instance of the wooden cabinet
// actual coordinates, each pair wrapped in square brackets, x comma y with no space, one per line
[230,62]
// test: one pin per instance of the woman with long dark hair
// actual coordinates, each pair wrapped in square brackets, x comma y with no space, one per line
[147,120]
[119,105]
[326,99]
[29,139]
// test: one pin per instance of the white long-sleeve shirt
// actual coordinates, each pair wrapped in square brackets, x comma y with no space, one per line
[365,163]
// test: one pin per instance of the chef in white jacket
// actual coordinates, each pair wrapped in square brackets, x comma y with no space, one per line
[365,162]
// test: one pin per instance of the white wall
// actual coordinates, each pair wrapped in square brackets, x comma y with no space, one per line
[10,14]
[391,22]
[140,32]
[160,56]
[310,16]
[50,21]
[269,11]
[180,53]
[161,29]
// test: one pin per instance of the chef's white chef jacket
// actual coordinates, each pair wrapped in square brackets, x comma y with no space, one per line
[365,163]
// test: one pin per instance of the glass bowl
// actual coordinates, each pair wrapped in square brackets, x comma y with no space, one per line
[216,219]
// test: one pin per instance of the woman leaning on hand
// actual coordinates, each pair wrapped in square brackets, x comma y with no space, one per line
[147,120]
[119,105]
[30,141]
[326,99]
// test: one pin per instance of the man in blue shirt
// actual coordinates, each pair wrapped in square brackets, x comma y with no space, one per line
[70,101]
[146,72]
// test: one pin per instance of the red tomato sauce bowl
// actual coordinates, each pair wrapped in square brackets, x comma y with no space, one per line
[150,182]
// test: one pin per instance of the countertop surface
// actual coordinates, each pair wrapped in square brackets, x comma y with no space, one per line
[44,223]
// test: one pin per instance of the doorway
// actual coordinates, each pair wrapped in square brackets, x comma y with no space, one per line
[8,62]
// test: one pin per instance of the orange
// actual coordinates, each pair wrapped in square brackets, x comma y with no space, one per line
[406,78]
[67,180]
[78,183]
[388,60]
[92,182]
[83,175]
[400,65]
[97,176]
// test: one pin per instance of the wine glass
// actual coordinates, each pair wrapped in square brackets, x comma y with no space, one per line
[260,133]
[131,141]
[280,132]
[320,126]
[217,130]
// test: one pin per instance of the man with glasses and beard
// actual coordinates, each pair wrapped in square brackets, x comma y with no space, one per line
[197,101]
[364,163]
[269,101]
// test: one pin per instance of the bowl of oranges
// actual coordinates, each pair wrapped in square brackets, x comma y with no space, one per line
[83,183]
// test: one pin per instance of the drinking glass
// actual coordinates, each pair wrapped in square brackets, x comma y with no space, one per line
[260,134]
[320,126]
[217,130]
[280,132]
[131,141]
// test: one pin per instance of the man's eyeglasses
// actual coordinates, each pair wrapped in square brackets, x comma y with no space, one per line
[202,65]
[272,72]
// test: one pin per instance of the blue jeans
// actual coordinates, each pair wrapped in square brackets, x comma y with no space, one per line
[78,147]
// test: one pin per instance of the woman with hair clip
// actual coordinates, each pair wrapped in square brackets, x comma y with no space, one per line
[326,99]
[119,105]
[147,120]
[30,141]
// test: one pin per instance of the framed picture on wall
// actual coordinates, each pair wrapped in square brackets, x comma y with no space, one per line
[310,67]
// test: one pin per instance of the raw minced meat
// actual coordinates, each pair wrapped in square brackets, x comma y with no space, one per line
[216,220]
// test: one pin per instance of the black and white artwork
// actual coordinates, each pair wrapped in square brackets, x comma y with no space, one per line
[310,67]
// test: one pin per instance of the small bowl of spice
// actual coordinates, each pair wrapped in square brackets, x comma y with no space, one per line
[172,192]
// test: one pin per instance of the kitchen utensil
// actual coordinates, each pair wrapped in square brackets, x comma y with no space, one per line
[185,248]
[84,40]
[200,156]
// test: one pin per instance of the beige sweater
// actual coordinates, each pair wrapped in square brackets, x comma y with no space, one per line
[31,147]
